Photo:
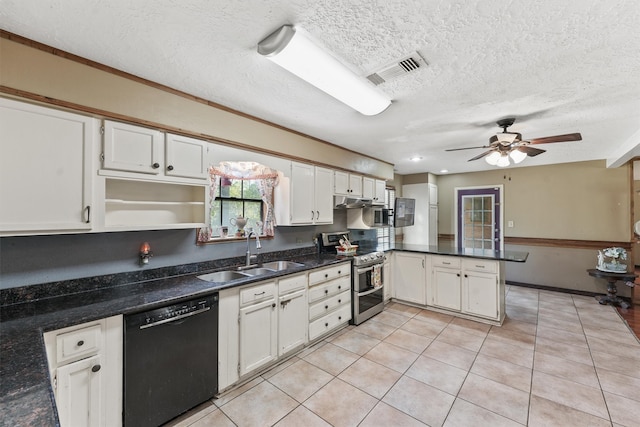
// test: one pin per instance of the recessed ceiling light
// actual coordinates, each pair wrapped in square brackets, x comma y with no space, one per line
[444,171]
[415,158]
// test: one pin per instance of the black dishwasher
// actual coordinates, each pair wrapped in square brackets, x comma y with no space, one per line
[170,361]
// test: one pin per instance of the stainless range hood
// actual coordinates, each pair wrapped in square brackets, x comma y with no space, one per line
[347,202]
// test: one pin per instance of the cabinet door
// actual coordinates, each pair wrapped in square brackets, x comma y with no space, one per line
[78,396]
[368,188]
[480,294]
[302,194]
[409,282]
[340,183]
[446,288]
[355,185]
[258,335]
[132,148]
[387,276]
[433,225]
[292,321]
[380,188]
[186,157]
[323,196]
[46,173]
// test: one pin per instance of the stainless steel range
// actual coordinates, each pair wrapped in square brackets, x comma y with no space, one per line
[367,284]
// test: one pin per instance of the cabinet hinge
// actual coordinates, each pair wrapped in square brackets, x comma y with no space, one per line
[102,130]
[238,318]
[102,157]
[238,368]
[55,382]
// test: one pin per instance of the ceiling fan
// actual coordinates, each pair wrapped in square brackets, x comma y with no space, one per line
[505,145]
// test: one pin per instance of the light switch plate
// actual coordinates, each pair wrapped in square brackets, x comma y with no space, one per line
[510,224]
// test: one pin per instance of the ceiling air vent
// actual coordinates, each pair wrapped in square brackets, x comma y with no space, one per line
[398,68]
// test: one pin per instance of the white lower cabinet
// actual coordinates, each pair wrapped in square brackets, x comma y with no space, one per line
[85,365]
[387,278]
[409,282]
[292,313]
[483,289]
[258,327]
[446,283]
[329,299]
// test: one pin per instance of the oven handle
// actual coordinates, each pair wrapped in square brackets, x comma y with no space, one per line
[370,291]
[364,270]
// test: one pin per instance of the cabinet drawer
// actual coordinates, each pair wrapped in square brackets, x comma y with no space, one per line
[330,273]
[79,343]
[480,265]
[329,304]
[329,322]
[291,284]
[257,293]
[446,262]
[330,288]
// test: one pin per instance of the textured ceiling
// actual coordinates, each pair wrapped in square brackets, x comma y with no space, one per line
[557,66]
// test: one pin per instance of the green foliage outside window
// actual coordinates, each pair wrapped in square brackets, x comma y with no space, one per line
[236,197]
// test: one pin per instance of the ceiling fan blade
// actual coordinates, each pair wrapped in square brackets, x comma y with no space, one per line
[479,156]
[466,148]
[556,138]
[531,151]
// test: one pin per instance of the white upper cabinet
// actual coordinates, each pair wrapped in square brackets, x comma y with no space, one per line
[45,169]
[347,184]
[305,197]
[186,157]
[373,189]
[132,148]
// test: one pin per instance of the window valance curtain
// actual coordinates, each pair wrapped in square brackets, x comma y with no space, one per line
[266,178]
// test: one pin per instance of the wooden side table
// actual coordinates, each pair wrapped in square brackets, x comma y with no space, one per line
[612,291]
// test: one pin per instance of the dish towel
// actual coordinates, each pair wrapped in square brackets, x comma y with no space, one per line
[376,279]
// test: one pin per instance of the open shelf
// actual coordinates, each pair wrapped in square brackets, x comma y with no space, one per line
[148,205]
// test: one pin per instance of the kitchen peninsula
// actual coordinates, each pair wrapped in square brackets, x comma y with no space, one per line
[468,283]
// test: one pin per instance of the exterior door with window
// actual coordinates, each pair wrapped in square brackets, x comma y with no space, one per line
[479,218]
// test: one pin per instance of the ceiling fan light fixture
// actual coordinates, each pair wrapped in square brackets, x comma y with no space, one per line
[296,53]
[517,156]
[503,161]
[492,158]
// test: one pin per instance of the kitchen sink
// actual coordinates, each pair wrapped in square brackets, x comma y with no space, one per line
[224,276]
[258,271]
[281,265]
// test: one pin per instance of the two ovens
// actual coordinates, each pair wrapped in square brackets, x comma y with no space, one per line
[367,289]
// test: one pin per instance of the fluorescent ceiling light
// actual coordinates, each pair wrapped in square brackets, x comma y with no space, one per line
[299,55]
[415,158]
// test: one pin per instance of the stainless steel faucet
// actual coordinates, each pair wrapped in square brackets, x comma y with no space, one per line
[258,246]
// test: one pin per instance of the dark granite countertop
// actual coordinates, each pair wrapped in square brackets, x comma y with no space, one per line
[468,253]
[26,398]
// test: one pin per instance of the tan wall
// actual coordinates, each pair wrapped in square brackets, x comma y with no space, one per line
[24,68]
[572,201]
[582,201]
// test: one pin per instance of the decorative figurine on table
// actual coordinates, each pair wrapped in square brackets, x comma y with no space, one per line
[609,260]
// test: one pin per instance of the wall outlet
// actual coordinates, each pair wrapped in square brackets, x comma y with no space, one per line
[510,224]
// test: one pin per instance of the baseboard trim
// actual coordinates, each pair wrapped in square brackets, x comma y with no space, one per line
[554,289]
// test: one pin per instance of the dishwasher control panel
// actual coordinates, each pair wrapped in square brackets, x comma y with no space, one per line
[175,312]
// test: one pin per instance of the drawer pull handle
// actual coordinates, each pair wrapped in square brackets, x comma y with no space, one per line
[326,325]
[326,307]
[339,301]
[458,274]
[156,165]
[261,293]
[274,305]
[80,343]
[326,291]
[170,167]
[339,271]
[466,275]
[446,263]
[480,266]
[339,317]
[326,275]
[95,368]
[339,287]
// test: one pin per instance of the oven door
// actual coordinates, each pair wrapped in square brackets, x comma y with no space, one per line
[368,300]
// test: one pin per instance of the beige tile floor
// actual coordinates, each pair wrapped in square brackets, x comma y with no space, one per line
[558,360]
